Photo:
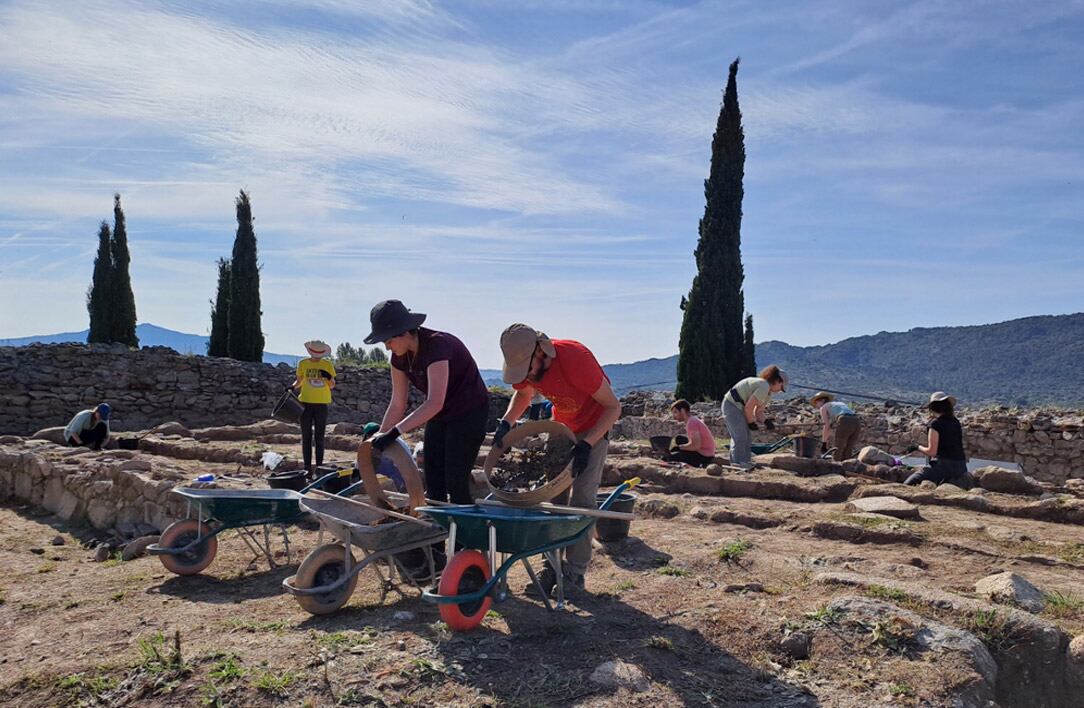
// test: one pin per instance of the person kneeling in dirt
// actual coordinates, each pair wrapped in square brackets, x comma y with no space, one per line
[847,424]
[699,448]
[567,373]
[944,447]
[89,428]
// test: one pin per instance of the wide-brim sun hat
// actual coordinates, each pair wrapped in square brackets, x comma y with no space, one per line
[317,349]
[390,318]
[938,396]
[517,345]
[822,396]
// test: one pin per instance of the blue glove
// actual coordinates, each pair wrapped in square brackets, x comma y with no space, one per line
[502,429]
[382,440]
[581,454]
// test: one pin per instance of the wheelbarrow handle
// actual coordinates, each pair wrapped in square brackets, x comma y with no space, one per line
[623,487]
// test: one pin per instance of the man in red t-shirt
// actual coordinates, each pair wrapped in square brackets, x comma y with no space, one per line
[567,373]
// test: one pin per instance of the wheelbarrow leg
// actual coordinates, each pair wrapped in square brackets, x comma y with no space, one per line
[537,583]
[555,559]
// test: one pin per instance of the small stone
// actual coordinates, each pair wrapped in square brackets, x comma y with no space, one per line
[403,616]
[714,470]
[743,587]
[58,540]
[918,563]
[137,548]
[618,674]
[797,645]
[927,484]
[358,649]
[401,645]
[1012,589]
[37,551]
[101,554]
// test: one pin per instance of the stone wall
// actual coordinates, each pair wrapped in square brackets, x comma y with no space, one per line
[1048,444]
[45,385]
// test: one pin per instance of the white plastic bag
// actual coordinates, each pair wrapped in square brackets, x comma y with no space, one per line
[271,460]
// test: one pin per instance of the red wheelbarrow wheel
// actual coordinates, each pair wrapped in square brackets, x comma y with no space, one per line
[181,534]
[467,572]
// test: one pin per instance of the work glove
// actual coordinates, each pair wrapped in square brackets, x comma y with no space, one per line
[769,423]
[502,429]
[753,426]
[325,374]
[910,448]
[382,440]
[581,453]
[289,387]
[824,447]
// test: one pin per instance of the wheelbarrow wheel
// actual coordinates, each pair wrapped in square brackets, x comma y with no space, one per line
[467,572]
[324,566]
[194,560]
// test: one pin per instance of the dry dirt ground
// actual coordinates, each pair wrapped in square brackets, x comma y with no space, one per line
[701,607]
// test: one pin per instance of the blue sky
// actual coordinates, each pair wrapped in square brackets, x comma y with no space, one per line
[908,163]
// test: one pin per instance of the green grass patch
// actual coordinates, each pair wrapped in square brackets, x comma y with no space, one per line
[1062,605]
[733,551]
[276,684]
[880,592]
[156,656]
[658,642]
[247,624]
[893,634]
[866,521]
[337,641]
[1072,553]
[111,561]
[228,668]
[992,628]
[900,689]
[672,570]
[826,615]
[46,567]
[82,686]
[424,671]
[117,596]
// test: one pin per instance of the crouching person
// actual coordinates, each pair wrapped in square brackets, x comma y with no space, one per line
[567,373]
[944,446]
[89,428]
[699,450]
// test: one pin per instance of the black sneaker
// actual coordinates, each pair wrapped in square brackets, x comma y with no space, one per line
[547,579]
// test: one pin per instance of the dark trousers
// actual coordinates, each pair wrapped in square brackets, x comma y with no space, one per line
[535,411]
[944,471]
[848,428]
[313,419]
[451,449]
[92,438]
[690,457]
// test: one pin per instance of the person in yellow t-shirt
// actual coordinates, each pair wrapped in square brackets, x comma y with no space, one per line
[315,379]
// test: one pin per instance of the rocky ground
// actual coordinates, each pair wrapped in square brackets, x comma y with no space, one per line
[797,584]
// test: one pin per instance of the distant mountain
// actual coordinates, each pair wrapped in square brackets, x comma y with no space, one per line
[1029,361]
[149,336]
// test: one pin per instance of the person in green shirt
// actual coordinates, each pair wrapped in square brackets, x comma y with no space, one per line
[745,408]
[315,379]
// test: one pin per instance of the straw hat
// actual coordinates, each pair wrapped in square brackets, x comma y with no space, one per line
[938,396]
[317,349]
[822,396]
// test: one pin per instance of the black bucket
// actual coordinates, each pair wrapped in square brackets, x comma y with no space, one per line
[342,481]
[290,479]
[609,530]
[288,409]
[661,443]
[806,446]
[128,443]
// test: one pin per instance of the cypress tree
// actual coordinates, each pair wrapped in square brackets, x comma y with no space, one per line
[750,348]
[98,295]
[377,356]
[245,340]
[123,307]
[218,344]
[711,355]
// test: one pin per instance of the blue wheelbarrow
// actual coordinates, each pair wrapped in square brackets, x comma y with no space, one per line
[188,546]
[473,581]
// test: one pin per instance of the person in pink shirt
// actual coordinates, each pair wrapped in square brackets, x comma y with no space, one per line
[699,451]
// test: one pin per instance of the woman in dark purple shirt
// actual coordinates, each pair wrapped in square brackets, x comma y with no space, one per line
[456,403]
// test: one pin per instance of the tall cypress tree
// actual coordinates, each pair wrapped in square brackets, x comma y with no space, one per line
[123,318]
[711,355]
[245,340]
[98,295]
[218,344]
[750,352]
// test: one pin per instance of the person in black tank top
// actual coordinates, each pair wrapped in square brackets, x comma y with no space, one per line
[944,447]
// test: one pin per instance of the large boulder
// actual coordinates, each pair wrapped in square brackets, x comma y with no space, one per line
[889,506]
[53,435]
[871,455]
[1010,588]
[1000,479]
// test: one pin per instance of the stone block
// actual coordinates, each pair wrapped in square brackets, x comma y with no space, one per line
[1010,588]
[71,508]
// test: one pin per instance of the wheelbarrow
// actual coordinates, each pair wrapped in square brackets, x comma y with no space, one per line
[188,546]
[472,580]
[327,577]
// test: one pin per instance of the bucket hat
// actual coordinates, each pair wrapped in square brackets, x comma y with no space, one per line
[822,395]
[517,345]
[937,396]
[390,318]
[317,349]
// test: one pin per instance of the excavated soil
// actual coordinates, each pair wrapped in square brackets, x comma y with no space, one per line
[705,598]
